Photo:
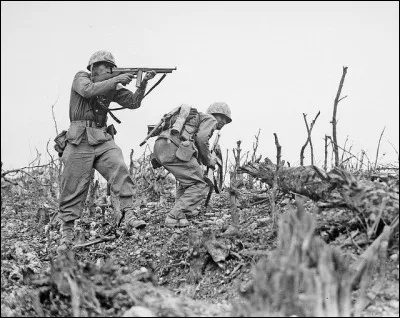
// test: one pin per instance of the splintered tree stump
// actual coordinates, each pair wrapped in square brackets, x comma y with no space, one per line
[303,276]
[302,180]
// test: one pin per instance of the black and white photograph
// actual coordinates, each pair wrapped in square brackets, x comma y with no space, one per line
[199,158]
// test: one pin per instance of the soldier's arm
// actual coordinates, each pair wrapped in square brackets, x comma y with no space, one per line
[128,99]
[86,88]
[206,130]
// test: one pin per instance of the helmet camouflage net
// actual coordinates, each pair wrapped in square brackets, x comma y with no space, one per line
[101,56]
[220,108]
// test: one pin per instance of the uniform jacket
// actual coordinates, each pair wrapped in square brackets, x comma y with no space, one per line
[82,91]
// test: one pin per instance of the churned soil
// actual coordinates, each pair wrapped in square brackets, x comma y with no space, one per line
[152,269]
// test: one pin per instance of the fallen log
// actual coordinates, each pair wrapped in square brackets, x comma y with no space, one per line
[302,180]
[335,188]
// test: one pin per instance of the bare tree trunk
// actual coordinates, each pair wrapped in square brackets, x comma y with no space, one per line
[362,158]
[309,129]
[274,212]
[131,163]
[377,150]
[226,165]
[234,185]
[233,229]
[326,153]
[344,150]
[253,158]
[334,121]
[60,162]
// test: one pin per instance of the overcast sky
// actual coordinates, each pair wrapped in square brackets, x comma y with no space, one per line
[270,61]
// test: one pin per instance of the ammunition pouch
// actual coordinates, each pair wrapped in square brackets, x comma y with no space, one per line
[60,142]
[154,162]
[178,125]
[185,150]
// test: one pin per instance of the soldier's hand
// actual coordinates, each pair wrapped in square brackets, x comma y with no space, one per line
[124,78]
[149,75]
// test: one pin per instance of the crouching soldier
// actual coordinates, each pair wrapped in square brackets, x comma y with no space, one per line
[181,147]
[89,144]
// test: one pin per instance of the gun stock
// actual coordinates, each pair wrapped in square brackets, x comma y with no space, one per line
[152,129]
[150,134]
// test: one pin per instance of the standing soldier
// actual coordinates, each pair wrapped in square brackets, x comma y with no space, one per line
[181,147]
[89,143]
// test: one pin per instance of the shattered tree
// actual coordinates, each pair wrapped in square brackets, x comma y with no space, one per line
[303,180]
[335,188]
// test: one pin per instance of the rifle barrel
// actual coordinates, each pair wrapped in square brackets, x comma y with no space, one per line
[143,69]
[115,71]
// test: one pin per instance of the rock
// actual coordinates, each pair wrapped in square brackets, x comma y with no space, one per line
[100,262]
[285,202]
[138,311]
[263,221]
[394,304]
[151,204]
[253,225]
[394,257]
[375,309]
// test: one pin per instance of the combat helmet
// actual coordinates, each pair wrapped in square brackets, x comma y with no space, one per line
[220,108]
[101,56]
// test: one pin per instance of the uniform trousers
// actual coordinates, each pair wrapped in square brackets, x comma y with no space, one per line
[78,161]
[192,187]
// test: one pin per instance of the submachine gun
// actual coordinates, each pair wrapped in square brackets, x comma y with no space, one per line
[137,72]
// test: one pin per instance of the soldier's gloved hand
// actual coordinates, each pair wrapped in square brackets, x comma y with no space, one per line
[149,75]
[124,78]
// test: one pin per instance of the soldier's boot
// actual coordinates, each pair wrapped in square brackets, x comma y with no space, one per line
[67,237]
[193,213]
[131,221]
[176,220]
[231,231]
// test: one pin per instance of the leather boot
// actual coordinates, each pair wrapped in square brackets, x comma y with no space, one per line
[231,231]
[67,237]
[176,221]
[193,213]
[132,222]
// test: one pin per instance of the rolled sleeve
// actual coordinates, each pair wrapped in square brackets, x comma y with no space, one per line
[128,99]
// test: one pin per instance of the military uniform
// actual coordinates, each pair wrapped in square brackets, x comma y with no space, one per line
[89,145]
[187,171]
